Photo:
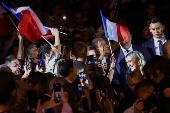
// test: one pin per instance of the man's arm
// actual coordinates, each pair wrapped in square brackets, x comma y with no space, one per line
[20,54]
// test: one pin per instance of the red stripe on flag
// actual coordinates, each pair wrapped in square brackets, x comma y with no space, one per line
[28,27]
[122,33]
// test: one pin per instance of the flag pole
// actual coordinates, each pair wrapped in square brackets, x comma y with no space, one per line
[13,22]
[47,41]
[110,45]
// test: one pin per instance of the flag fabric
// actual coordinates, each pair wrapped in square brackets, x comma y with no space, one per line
[110,4]
[29,24]
[114,31]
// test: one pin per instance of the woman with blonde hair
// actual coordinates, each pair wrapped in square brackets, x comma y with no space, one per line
[135,60]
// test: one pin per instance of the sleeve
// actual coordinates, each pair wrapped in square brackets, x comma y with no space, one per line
[94,106]
[147,55]
[115,82]
[67,108]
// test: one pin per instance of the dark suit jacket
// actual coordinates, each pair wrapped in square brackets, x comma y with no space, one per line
[149,44]
[121,71]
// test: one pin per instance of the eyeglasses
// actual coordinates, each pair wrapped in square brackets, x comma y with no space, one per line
[16,65]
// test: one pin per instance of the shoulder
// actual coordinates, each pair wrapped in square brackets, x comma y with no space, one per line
[129,110]
[148,41]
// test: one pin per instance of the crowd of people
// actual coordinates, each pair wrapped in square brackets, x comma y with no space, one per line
[83,72]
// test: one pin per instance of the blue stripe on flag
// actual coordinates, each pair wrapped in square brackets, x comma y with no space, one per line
[104,24]
[18,15]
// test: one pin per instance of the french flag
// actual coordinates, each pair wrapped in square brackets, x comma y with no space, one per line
[114,31]
[29,24]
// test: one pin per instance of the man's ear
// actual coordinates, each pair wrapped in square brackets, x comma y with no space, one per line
[97,49]
[14,93]
[163,27]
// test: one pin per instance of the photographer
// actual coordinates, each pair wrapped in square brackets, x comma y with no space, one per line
[146,99]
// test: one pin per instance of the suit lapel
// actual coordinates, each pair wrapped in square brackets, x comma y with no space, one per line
[152,45]
[120,59]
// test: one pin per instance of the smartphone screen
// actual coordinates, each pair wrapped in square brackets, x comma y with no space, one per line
[39,61]
[57,89]
[103,94]
[104,60]
[32,98]
[90,62]
[28,80]
[83,79]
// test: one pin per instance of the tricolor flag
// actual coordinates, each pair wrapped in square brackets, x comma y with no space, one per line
[29,24]
[114,31]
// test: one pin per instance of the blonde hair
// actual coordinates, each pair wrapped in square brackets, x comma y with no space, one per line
[21,104]
[137,56]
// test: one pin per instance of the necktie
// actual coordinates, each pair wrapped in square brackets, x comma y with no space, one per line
[160,47]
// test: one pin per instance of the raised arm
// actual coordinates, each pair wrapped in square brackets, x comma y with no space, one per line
[20,54]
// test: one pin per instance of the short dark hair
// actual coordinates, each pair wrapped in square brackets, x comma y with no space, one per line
[37,78]
[155,20]
[64,66]
[9,58]
[91,48]
[46,48]
[79,49]
[141,87]
[7,85]
[95,41]
[28,48]
[72,91]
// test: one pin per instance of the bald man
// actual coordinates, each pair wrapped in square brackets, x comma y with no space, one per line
[166,50]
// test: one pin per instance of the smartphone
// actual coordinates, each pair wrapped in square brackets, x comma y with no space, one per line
[57,89]
[39,60]
[90,62]
[50,110]
[28,80]
[104,60]
[103,94]
[27,62]
[83,79]
[81,92]
[32,98]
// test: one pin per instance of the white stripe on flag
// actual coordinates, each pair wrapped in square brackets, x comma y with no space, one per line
[112,30]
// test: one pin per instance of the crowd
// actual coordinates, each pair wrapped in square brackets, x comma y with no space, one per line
[78,73]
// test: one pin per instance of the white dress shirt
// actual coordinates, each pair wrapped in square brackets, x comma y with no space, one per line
[156,44]
[124,50]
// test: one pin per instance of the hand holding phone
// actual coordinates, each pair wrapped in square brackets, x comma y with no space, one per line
[83,79]
[103,94]
[57,90]
[90,62]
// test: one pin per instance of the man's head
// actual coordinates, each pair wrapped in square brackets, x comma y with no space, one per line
[7,88]
[156,28]
[79,50]
[104,44]
[79,19]
[46,51]
[134,78]
[166,50]
[150,9]
[91,51]
[143,90]
[158,68]
[126,44]
[38,82]
[31,50]
[13,64]
[146,33]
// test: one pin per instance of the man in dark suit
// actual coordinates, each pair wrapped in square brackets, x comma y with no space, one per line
[154,44]
[121,71]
